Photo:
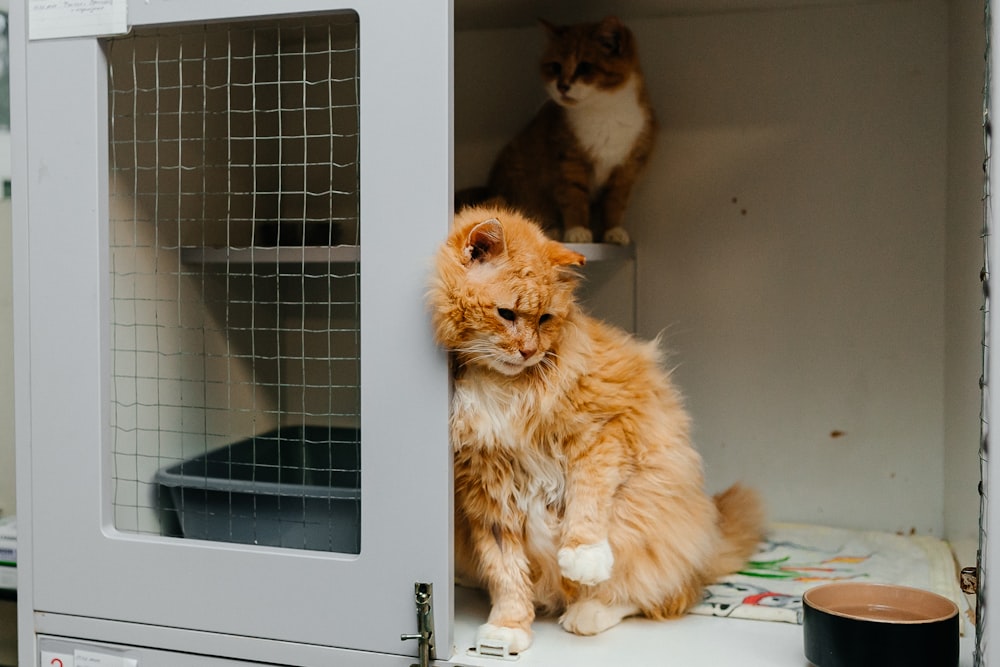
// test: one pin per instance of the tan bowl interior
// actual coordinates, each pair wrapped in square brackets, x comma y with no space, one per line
[880,602]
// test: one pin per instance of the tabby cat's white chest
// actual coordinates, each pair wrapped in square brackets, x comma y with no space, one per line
[607,127]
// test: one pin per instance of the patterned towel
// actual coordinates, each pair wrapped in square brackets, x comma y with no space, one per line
[796,557]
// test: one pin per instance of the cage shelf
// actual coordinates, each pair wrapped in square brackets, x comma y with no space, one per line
[349,254]
[603,252]
[339,254]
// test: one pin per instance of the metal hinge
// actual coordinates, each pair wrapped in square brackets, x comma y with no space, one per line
[423,596]
[969,580]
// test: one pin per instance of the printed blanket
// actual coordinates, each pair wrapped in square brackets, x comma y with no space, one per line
[796,557]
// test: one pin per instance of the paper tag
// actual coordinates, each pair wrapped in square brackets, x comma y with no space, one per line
[92,659]
[49,19]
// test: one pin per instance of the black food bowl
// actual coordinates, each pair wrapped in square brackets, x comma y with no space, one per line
[860,625]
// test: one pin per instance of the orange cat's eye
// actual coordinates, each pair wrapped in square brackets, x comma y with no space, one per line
[583,69]
[507,314]
[544,318]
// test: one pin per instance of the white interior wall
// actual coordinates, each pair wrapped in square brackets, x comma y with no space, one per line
[790,241]
[808,331]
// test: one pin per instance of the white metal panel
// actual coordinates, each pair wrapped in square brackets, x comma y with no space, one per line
[150,656]
[988,625]
[79,564]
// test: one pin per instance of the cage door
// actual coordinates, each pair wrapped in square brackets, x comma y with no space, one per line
[235,415]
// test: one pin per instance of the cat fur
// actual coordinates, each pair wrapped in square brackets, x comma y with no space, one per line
[577,490]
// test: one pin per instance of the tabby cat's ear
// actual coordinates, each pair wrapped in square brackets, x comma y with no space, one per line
[611,33]
[560,255]
[485,242]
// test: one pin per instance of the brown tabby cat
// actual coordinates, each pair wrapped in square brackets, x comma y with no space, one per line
[584,150]
[577,490]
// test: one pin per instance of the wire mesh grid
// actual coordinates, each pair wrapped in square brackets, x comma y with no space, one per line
[235,284]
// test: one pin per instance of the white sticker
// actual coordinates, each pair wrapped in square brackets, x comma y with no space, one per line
[48,19]
[92,659]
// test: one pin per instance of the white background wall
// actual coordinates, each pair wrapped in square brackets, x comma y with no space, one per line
[798,260]
[800,242]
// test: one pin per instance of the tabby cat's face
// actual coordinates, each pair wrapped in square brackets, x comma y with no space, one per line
[587,59]
[503,291]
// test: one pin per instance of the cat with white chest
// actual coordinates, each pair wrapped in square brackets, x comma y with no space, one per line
[573,167]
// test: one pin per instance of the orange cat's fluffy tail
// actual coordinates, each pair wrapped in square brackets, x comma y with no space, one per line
[741,520]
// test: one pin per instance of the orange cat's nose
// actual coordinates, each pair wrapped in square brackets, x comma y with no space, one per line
[528,352]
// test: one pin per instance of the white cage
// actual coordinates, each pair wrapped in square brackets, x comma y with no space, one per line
[231,417]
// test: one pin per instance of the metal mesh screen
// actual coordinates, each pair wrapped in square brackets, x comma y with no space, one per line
[234,281]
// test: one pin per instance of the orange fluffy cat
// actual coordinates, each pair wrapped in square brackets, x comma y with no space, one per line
[577,490]
[574,165]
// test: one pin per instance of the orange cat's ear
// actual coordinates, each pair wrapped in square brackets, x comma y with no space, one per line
[560,255]
[485,242]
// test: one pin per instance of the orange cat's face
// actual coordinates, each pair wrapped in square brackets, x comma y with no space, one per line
[585,59]
[502,292]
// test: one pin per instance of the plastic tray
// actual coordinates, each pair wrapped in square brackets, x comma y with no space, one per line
[296,487]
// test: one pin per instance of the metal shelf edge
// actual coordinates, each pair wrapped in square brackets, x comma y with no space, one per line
[603,252]
[349,254]
[341,254]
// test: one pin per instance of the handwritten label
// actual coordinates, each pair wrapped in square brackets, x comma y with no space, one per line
[50,19]
[92,659]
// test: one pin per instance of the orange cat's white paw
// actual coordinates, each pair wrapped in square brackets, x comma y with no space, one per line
[578,235]
[617,235]
[589,617]
[588,563]
[493,639]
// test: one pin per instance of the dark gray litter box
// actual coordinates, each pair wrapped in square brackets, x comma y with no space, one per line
[296,487]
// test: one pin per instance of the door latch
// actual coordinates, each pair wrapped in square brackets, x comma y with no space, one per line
[423,597]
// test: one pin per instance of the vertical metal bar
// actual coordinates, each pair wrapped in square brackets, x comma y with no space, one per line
[985,517]
[423,596]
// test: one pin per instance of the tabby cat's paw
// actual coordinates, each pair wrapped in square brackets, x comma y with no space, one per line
[491,639]
[588,563]
[617,235]
[578,235]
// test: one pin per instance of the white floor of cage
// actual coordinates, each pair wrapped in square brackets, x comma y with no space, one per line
[692,641]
